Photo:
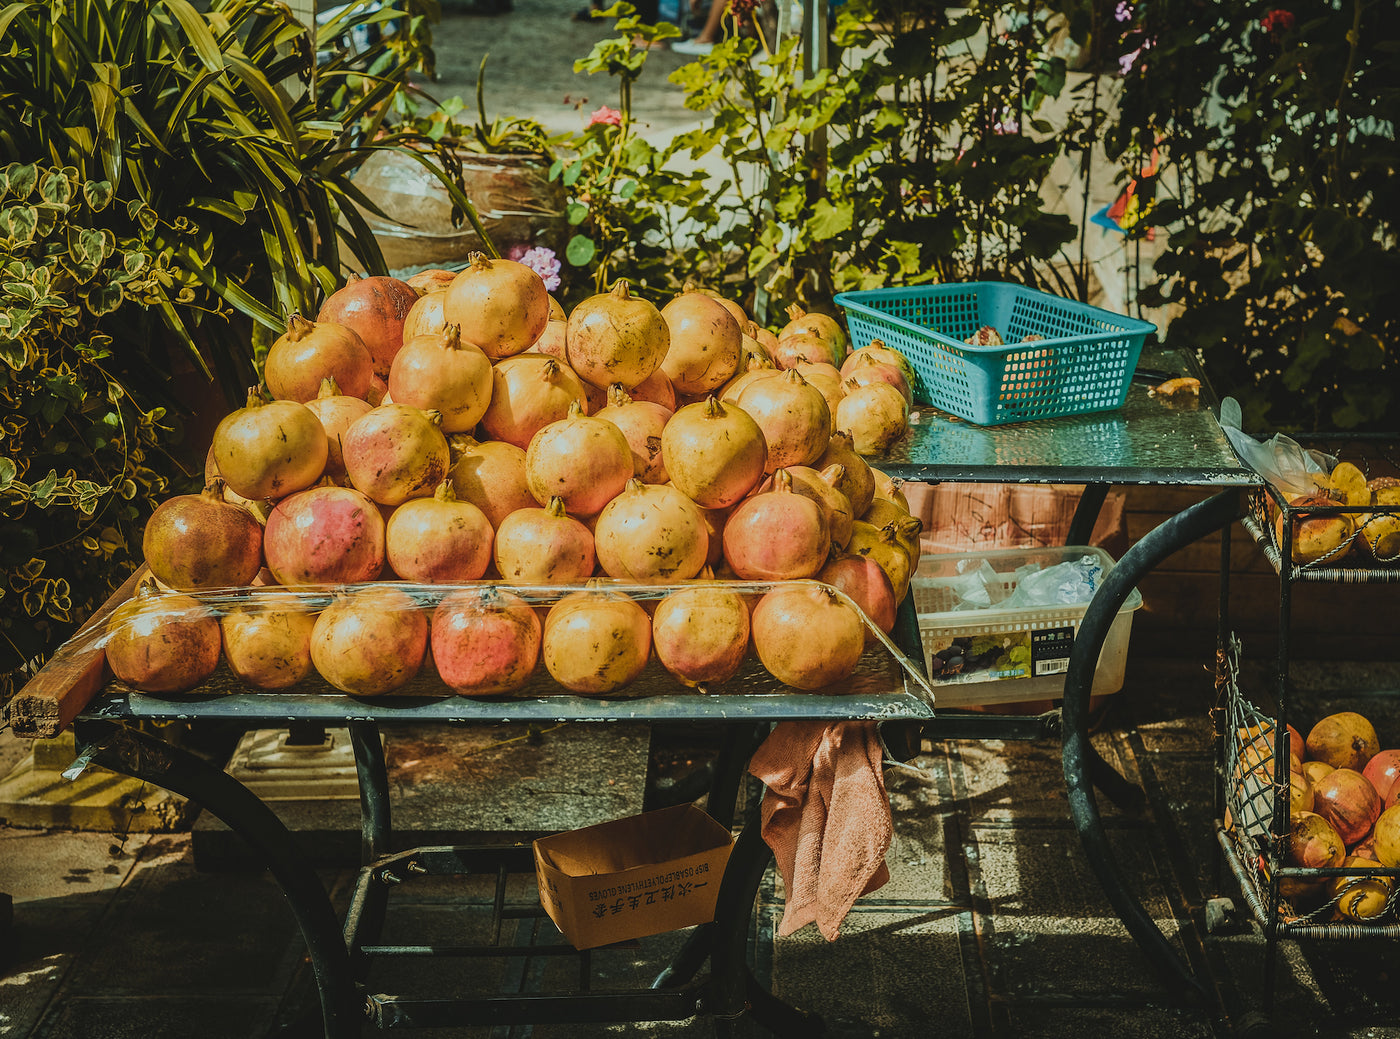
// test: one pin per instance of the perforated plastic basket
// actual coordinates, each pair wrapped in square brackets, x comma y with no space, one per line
[1084,362]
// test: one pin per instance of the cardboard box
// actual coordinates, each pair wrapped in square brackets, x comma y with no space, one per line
[632,877]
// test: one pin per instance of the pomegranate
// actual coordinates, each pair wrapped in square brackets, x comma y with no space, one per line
[490,474]
[803,348]
[734,309]
[650,532]
[1312,842]
[1313,771]
[337,413]
[657,389]
[876,350]
[1383,773]
[824,327]
[701,634]
[269,449]
[882,545]
[806,637]
[857,483]
[442,372]
[826,379]
[714,521]
[714,453]
[875,415]
[793,416]
[596,641]
[1300,793]
[162,642]
[370,641]
[544,546]
[486,641]
[528,393]
[869,587]
[375,309]
[584,461]
[267,640]
[434,279]
[821,488]
[755,369]
[396,452]
[325,535]
[310,351]
[500,305]
[1386,837]
[425,317]
[705,342]
[1360,897]
[869,371]
[1343,740]
[438,540]
[552,341]
[1348,801]
[766,340]
[641,422]
[889,488]
[201,541]
[777,535]
[616,337]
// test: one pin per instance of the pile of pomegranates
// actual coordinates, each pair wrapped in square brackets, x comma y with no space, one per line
[1344,811]
[462,433]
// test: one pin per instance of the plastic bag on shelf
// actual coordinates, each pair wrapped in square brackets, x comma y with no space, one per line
[1280,460]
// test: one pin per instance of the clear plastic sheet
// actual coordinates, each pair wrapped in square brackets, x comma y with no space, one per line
[1280,460]
[1065,584]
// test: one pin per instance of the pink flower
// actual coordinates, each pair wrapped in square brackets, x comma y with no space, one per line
[1277,22]
[543,262]
[1007,124]
[607,116]
[1123,12]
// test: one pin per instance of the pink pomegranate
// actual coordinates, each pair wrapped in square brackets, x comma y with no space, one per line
[544,546]
[490,474]
[267,640]
[500,305]
[337,413]
[754,369]
[584,461]
[1383,772]
[434,279]
[868,585]
[806,637]
[714,453]
[438,540]
[804,348]
[270,449]
[1347,800]
[444,373]
[701,634]
[827,381]
[325,535]
[824,327]
[1313,842]
[425,317]
[396,452]
[311,351]
[641,422]
[528,393]
[777,535]
[793,416]
[616,337]
[656,388]
[375,309]
[857,483]
[714,521]
[876,350]
[485,641]
[552,341]
[595,641]
[162,642]
[370,641]
[201,541]
[868,370]
[705,343]
[821,488]
[650,532]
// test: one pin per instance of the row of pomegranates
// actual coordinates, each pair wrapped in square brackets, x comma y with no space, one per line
[1344,811]
[507,447]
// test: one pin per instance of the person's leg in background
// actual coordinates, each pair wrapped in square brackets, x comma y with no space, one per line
[709,35]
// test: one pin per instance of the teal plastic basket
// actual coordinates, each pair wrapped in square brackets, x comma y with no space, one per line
[1084,363]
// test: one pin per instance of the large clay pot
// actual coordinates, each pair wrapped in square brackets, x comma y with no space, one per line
[518,205]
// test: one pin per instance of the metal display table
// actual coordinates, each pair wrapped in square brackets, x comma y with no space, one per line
[1145,442]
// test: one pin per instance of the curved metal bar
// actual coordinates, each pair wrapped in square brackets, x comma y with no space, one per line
[138,754]
[1175,533]
[373,771]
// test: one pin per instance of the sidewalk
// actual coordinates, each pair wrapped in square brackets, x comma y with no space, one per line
[992,924]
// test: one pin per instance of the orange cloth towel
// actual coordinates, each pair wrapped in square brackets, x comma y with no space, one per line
[826,816]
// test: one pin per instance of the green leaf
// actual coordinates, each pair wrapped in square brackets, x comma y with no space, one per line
[23,179]
[580,250]
[828,221]
[98,194]
[18,224]
[56,188]
[576,213]
[8,472]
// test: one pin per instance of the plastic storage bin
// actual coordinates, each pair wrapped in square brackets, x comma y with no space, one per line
[1084,362]
[1009,655]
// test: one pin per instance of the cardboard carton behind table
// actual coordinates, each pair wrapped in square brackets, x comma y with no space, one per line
[632,877]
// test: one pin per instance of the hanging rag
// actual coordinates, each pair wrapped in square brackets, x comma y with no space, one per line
[826,816]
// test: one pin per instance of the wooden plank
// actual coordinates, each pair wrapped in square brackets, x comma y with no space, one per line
[50,700]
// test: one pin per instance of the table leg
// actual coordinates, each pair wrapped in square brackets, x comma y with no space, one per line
[1177,532]
[135,753]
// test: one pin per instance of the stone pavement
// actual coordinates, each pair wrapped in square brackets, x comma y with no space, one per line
[992,924]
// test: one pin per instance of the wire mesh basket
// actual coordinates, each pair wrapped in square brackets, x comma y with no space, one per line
[1291,901]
